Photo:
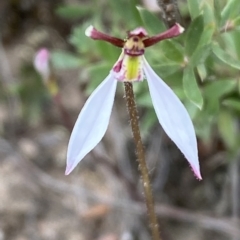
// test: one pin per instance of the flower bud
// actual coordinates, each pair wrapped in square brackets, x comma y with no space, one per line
[41,63]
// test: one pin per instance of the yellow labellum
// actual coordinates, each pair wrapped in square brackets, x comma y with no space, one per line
[132,68]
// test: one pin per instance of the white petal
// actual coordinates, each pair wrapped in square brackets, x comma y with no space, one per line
[92,122]
[173,117]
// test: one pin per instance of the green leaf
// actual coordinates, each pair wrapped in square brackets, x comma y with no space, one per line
[151,22]
[236,22]
[193,35]
[97,74]
[207,35]
[226,58]
[164,70]
[230,11]
[194,8]
[233,103]
[230,45]
[174,80]
[108,51]
[140,89]
[179,91]
[172,50]
[191,88]
[73,11]
[144,100]
[214,91]
[202,71]
[134,14]
[235,37]
[228,128]
[65,60]
[203,126]
[191,108]
[199,55]
[127,11]
[80,40]
[217,12]
[212,107]
[208,13]
[218,88]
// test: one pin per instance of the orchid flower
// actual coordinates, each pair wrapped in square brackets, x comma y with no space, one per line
[132,66]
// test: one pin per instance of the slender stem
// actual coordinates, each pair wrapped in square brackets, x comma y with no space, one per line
[133,114]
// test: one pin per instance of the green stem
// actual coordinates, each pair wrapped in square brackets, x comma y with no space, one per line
[133,114]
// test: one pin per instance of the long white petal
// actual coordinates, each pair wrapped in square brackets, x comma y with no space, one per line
[92,122]
[173,117]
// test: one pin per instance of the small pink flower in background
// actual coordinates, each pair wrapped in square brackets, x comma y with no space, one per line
[41,63]
[132,66]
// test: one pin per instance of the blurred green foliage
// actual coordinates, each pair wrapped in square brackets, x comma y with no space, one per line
[33,95]
[201,66]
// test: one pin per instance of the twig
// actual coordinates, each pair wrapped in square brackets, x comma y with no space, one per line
[170,12]
[224,225]
[229,26]
[133,114]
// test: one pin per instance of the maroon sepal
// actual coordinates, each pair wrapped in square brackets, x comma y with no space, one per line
[96,35]
[170,33]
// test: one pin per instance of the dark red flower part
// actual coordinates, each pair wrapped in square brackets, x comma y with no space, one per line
[96,35]
[139,32]
[117,67]
[137,35]
[174,31]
